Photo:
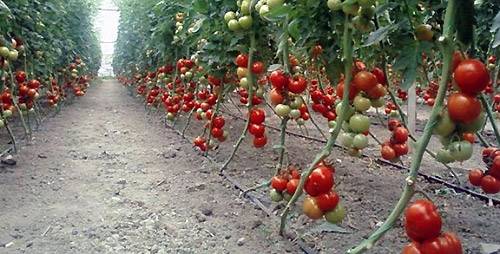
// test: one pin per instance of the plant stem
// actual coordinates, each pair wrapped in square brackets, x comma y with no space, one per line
[27,131]
[487,107]
[251,83]
[447,49]
[327,149]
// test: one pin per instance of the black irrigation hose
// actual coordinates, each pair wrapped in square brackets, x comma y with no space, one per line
[291,236]
[427,177]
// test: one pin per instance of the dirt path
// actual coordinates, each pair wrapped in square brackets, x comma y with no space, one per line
[99,178]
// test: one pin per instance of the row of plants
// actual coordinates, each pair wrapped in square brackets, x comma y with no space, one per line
[48,51]
[341,60]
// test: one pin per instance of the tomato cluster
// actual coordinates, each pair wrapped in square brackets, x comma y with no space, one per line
[323,101]
[423,226]
[256,127]
[240,20]
[54,93]
[257,69]
[286,96]
[397,146]
[322,200]
[429,94]
[489,180]
[284,185]
[363,12]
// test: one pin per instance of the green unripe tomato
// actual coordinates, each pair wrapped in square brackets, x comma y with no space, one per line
[300,121]
[260,92]
[294,113]
[245,22]
[234,25]
[13,55]
[332,124]
[229,16]
[359,123]
[461,150]
[337,215]
[378,103]
[244,83]
[264,10]
[394,114]
[360,141]
[282,110]
[346,139]
[361,103]
[275,195]
[334,5]
[444,156]
[275,3]
[445,126]
[367,12]
[424,32]
[351,9]
[245,7]
[4,52]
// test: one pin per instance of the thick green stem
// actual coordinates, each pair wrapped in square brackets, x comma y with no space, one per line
[251,83]
[489,113]
[446,42]
[327,149]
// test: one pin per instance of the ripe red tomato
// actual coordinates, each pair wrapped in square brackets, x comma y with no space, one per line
[353,91]
[257,130]
[258,67]
[490,184]
[311,209]
[275,97]
[471,76]
[279,183]
[400,135]
[475,177]
[393,123]
[400,149]
[377,92]
[463,108]
[319,181]
[412,248]
[278,79]
[365,81]
[259,142]
[327,201]
[495,168]
[446,243]
[387,152]
[422,221]
[217,132]
[291,186]
[20,76]
[297,85]
[457,59]
[242,60]
[198,141]
[379,73]
[257,116]
[469,136]
[218,122]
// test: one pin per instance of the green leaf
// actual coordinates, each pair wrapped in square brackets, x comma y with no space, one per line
[200,6]
[278,13]
[294,29]
[408,63]
[386,7]
[380,34]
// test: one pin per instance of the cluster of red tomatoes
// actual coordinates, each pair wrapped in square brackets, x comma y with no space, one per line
[464,114]
[285,184]
[489,180]
[7,103]
[397,146]
[54,94]
[27,91]
[201,143]
[429,94]
[217,132]
[323,102]
[322,200]
[402,94]
[256,127]
[423,226]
